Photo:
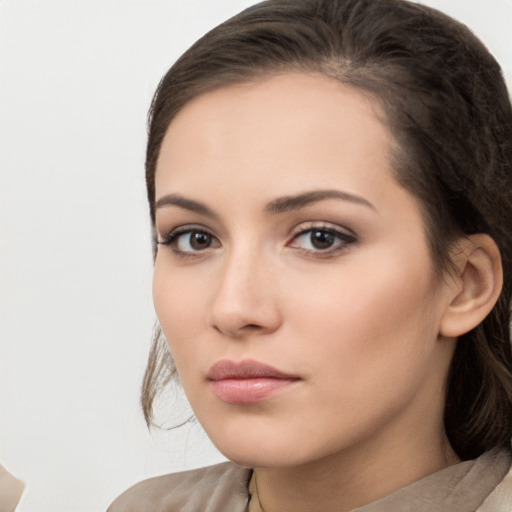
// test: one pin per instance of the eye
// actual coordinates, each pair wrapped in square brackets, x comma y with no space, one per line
[189,240]
[322,240]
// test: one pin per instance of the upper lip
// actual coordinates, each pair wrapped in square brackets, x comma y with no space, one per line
[246,369]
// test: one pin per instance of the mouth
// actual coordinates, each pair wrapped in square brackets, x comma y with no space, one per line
[247,382]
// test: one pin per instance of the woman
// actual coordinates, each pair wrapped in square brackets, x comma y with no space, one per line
[330,185]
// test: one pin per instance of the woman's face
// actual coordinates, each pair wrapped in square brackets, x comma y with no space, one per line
[293,280]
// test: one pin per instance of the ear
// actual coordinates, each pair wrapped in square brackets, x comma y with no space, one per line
[476,285]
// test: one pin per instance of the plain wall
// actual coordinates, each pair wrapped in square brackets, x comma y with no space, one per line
[76,312]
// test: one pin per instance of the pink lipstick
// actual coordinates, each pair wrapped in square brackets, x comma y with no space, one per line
[247,382]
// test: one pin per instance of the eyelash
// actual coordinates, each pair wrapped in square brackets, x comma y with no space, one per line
[344,240]
[171,240]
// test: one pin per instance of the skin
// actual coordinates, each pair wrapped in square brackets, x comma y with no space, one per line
[359,325]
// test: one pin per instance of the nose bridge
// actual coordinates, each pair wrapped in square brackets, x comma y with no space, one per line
[246,295]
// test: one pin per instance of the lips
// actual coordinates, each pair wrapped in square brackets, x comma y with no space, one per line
[247,382]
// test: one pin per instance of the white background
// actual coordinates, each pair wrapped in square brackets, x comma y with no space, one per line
[77,77]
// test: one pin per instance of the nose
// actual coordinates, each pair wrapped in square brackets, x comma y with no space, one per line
[246,301]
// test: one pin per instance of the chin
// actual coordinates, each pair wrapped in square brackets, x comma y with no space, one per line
[257,458]
[256,451]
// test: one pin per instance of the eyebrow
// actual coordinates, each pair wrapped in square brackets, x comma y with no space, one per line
[279,205]
[290,203]
[186,204]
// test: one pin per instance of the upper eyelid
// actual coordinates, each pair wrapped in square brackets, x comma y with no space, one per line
[346,241]
[302,227]
[321,225]
[185,228]
[343,235]
[171,239]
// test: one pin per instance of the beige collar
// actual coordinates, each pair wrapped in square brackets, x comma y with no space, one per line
[463,487]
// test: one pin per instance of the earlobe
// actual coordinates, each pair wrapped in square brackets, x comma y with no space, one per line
[476,285]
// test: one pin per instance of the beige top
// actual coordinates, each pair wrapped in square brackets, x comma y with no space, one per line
[481,485]
[10,491]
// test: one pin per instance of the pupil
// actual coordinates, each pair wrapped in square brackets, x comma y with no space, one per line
[322,239]
[200,240]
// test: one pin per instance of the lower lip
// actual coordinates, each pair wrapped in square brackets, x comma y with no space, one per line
[249,391]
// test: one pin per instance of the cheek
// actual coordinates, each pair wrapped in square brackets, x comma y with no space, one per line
[368,343]
[371,318]
[179,307]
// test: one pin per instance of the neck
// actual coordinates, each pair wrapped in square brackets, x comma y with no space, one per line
[353,477]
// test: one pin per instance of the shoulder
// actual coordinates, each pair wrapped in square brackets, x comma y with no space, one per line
[214,488]
[500,500]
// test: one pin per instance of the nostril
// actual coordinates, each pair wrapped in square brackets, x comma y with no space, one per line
[240,330]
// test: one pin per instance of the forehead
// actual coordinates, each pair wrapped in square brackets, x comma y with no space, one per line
[297,128]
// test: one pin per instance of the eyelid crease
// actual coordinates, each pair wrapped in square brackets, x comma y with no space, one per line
[345,238]
[174,233]
[322,226]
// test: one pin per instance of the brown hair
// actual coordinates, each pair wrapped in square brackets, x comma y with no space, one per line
[447,106]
